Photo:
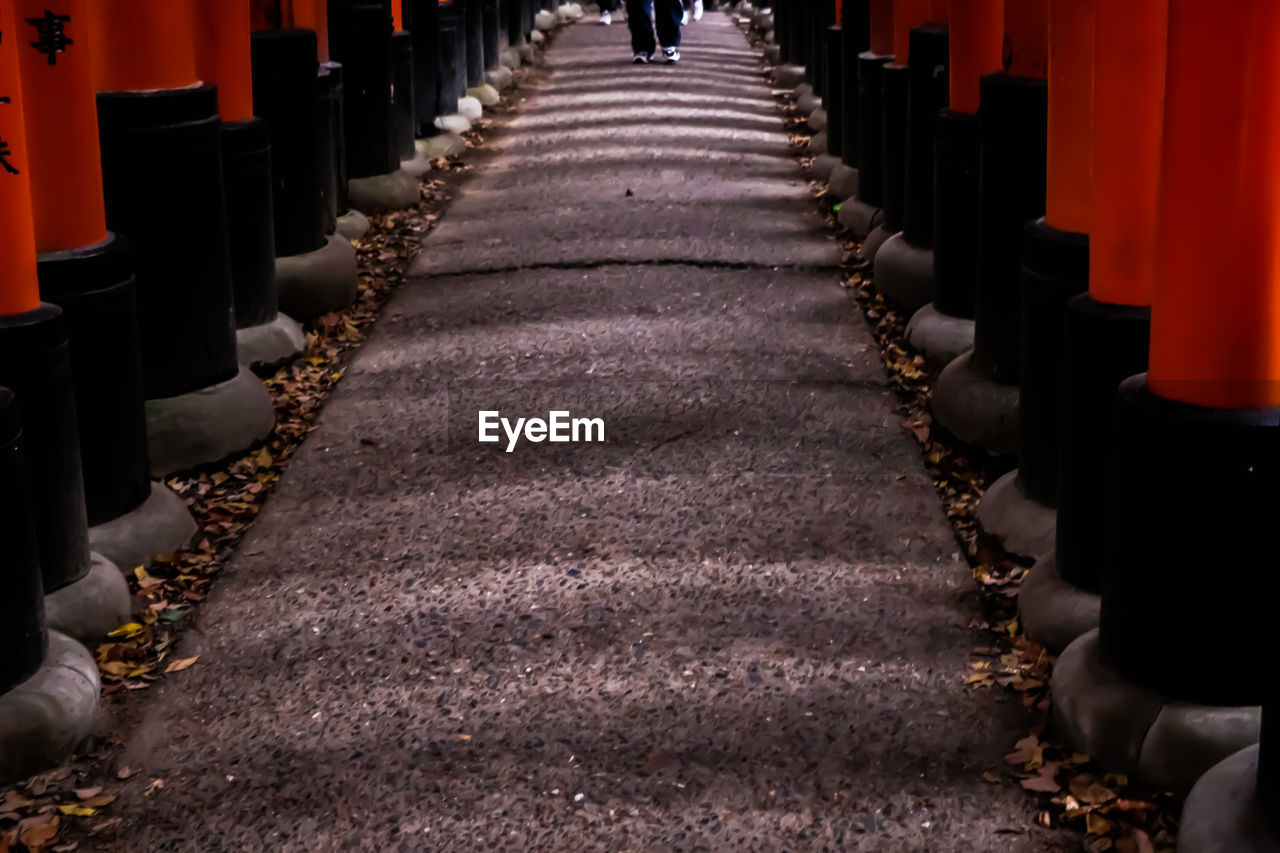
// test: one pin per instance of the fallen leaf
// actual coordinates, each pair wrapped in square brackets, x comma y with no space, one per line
[180,665]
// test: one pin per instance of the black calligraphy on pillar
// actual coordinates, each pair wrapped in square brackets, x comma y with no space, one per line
[51,35]
[5,154]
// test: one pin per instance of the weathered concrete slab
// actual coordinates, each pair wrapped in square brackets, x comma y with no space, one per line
[740,623]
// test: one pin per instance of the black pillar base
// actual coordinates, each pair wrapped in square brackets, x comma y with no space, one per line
[422,20]
[1105,344]
[871,71]
[1014,117]
[177,231]
[292,94]
[35,363]
[1190,547]
[473,29]
[329,143]
[835,99]
[402,102]
[930,93]
[1055,268]
[94,287]
[246,170]
[855,35]
[453,82]
[22,631]
[491,26]
[956,148]
[897,98]
[360,38]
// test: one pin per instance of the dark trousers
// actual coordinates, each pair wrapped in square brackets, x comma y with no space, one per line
[608,5]
[643,14]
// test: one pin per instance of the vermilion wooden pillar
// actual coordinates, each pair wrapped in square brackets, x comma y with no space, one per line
[156,121]
[87,271]
[1055,256]
[976,31]
[1106,328]
[34,353]
[976,396]
[1210,403]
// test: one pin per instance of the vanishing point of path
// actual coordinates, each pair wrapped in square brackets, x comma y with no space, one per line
[741,623]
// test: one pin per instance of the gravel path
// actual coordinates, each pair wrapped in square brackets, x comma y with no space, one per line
[740,623]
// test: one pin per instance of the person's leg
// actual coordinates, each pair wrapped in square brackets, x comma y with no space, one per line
[668,14]
[640,22]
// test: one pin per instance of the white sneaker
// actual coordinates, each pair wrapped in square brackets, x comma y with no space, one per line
[684,19]
[641,59]
[606,19]
[671,54]
[697,10]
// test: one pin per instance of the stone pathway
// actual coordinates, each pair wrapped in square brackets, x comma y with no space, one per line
[741,623]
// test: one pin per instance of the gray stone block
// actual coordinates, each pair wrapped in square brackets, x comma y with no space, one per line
[318,282]
[395,191]
[817,120]
[872,243]
[441,145]
[788,76]
[1130,729]
[510,58]
[270,345]
[470,106]
[352,225]
[859,217]
[822,166]
[843,182]
[1021,524]
[526,51]
[208,425]
[1053,612]
[938,337]
[499,78]
[46,717]
[544,21]
[417,167]
[1222,813]
[772,53]
[975,408]
[161,525]
[93,606]
[486,94]
[536,40]
[807,102]
[455,123]
[818,143]
[904,274]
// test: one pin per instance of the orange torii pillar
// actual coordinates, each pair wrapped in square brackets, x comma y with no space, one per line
[265,338]
[1107,328]
[895,104]
[904,264]
[48,682]
[1187,601]
[1019,509]
[87,271]
[863,213]
[976,395]
[161,140]
[943,329]
[35,354]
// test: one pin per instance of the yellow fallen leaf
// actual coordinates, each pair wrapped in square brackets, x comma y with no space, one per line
[129,629]
[464,737]
[180,665]
[77,811]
